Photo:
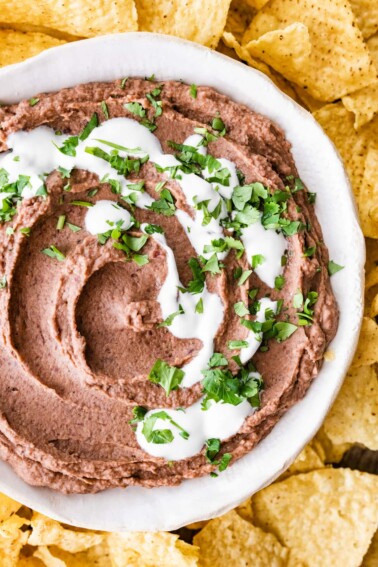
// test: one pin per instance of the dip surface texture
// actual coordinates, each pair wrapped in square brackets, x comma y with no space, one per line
[164,267]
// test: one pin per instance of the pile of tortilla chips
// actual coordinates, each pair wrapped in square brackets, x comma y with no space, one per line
[323,54]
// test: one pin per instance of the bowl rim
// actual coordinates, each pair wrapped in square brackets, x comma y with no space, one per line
[129,54]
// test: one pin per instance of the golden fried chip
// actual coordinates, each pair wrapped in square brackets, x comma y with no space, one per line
[366,12]
[79,17]
[44,554]
[195,526]
[363,103]
[371,558]
[307,100]
[372,44]
[338,124]
[17,46]
[231,541]
[49,532]
[368,196]
[353,417]
[7,507]
[97,556]
[29,561]
[367,349]
[245,510]
[202,21]
[239,17]
[12,539]
[325,517]
[286,50]
[307,460]
[257,4]
[242,53]
[160,549]
[339,62]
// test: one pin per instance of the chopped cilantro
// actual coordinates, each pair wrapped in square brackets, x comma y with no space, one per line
[212,265]
[212,449]
[284,330]
[82,203]
[217,359]
[61,222]
[165,205]
[135,108]
[169,320]
[153,228]
[139,413]
[257,260]
[3,282]
[105,110]
[161,436]
[241,309]
[235,345]
[222,386]
[279,282]
[25,230]
[309,252]
[333,268]
[218,125]
[244,276]
[224,462]
[197,284]
[73,227]
[64,173]
[53,252]
[193,90]
[199,306]
[168,377]
[33,101]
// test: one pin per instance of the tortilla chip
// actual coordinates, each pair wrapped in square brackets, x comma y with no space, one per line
[239,17]
[286,50]
[306,461]
[371,558]
[198,20]
[97,556]
[17,46]
[338,124]
[366,12]
[326,517]
[7,507]
[367,349]
[257,4]
[29,562]
[372,44]
[353,417]
[160,549]
[363,103]
[12,539]
[243,55]
[339,62]
[307,100]
[245,510]
[231,541]
[45,555]
[367,200]
[49,532]
[80,18]
[195,526]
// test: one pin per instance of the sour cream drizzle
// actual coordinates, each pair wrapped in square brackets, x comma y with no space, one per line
[37,155]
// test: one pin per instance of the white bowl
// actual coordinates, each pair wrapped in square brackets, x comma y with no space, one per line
[141,54]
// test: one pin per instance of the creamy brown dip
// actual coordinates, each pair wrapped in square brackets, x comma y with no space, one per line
[81,324]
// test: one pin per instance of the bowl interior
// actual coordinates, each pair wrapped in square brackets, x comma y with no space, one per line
[141,54]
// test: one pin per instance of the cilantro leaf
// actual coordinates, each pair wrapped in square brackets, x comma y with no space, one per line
[333,268]
[168,377]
